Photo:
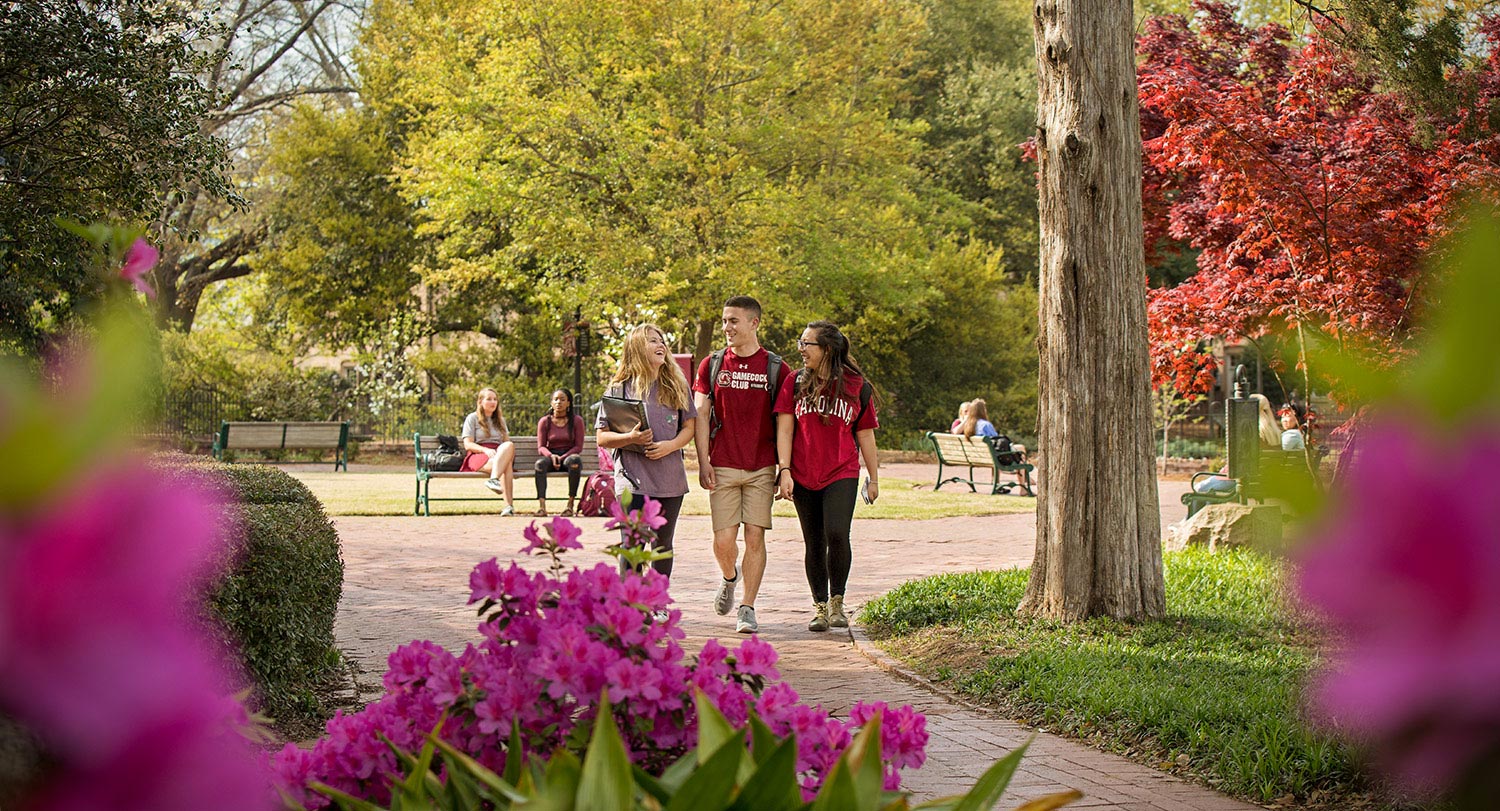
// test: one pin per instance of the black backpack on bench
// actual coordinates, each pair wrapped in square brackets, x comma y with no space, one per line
[447,458]
[1003,453]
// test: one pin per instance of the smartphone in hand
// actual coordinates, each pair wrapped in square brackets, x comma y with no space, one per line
[864,491]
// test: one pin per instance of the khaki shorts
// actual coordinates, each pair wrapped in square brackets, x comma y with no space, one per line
[742,497]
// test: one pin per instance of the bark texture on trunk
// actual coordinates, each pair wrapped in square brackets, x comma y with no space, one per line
[1098,547]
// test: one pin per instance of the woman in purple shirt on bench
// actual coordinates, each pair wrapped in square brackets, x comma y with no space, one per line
[559,440]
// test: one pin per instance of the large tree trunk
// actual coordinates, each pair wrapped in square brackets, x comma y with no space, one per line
[1098,546]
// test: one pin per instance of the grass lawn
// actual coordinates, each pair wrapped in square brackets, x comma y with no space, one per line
[1211,692]
[393,493]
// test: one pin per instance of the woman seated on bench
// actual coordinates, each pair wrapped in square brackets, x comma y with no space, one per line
[1270,437]
[559,440]
[977,420]
[963,414]
[487,440]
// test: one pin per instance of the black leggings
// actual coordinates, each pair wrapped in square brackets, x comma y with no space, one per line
[670,507]
[825,516]
[573,464]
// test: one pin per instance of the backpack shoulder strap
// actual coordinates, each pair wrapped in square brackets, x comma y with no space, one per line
[715,363]
[773,374]
[866,391]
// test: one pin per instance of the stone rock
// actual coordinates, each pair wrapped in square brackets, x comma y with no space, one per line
[1225,525]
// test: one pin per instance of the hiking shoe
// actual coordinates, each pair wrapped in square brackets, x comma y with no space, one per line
[819,622]
[836,618]
[495,486]
[725,598]
[747,623]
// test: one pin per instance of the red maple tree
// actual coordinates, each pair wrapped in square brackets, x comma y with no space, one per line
[1310,194]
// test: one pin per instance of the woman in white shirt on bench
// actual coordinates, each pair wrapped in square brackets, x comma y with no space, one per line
[490,450]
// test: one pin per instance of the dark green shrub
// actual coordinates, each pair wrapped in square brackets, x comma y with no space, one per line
[277,601]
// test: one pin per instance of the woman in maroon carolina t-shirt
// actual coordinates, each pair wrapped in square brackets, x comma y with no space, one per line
[825,423]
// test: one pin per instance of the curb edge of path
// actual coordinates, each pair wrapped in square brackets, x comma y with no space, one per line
[895,667]
[867,648]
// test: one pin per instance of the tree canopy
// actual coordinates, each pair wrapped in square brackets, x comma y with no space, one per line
[646,160]
[1309,191]
[102,111]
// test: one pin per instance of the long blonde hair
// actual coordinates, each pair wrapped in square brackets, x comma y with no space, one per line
[1270,427]
[978,410]
[637,366]
[495,425]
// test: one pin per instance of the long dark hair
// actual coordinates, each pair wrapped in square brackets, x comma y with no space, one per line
[829,378]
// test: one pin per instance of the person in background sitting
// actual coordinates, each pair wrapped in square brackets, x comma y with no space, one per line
[1269,432]
[559,445]
[977,420]
[963,413]
[490,450]
[1291,431]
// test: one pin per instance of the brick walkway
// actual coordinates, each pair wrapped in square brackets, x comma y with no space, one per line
[407,578]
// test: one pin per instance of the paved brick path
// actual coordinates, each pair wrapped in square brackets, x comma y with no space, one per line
[407,578]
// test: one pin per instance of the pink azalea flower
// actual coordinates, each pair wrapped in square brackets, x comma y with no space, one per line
[757,658]
[533,539]
[775,701]
[484,581]
[140,258]
[565,532]
[651,514]
[1407,572]
[126,697]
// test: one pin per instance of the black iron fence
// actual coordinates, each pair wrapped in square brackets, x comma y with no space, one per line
[192,418]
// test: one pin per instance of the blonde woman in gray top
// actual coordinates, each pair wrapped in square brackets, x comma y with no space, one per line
[490,449]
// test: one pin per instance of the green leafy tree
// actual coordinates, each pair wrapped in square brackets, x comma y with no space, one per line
[102,104]
[262,57]
[975,87]
[341,247]
[648,160]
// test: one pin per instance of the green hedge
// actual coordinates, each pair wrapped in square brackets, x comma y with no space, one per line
[277,602]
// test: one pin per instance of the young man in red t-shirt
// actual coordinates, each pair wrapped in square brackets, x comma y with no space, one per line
[737,452]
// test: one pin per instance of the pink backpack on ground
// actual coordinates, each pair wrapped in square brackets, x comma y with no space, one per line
[598,495]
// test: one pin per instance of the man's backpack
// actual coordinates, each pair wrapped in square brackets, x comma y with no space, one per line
[598,495]
[716,362]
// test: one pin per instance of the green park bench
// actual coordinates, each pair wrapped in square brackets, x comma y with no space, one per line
[265,436]
[1257,473]
[976,452]
[525,465]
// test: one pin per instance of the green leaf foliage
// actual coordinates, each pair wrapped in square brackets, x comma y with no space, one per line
[607,780]
[646,160]
[606,783]
[341,248]
[104,107]
[277,603]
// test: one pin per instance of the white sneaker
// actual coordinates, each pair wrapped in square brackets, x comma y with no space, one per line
[747,623]
[724,600]
[509,510]
[495,485]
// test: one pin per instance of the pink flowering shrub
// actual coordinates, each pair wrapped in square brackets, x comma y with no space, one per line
[100,656]
[1409,574]
[553,644]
